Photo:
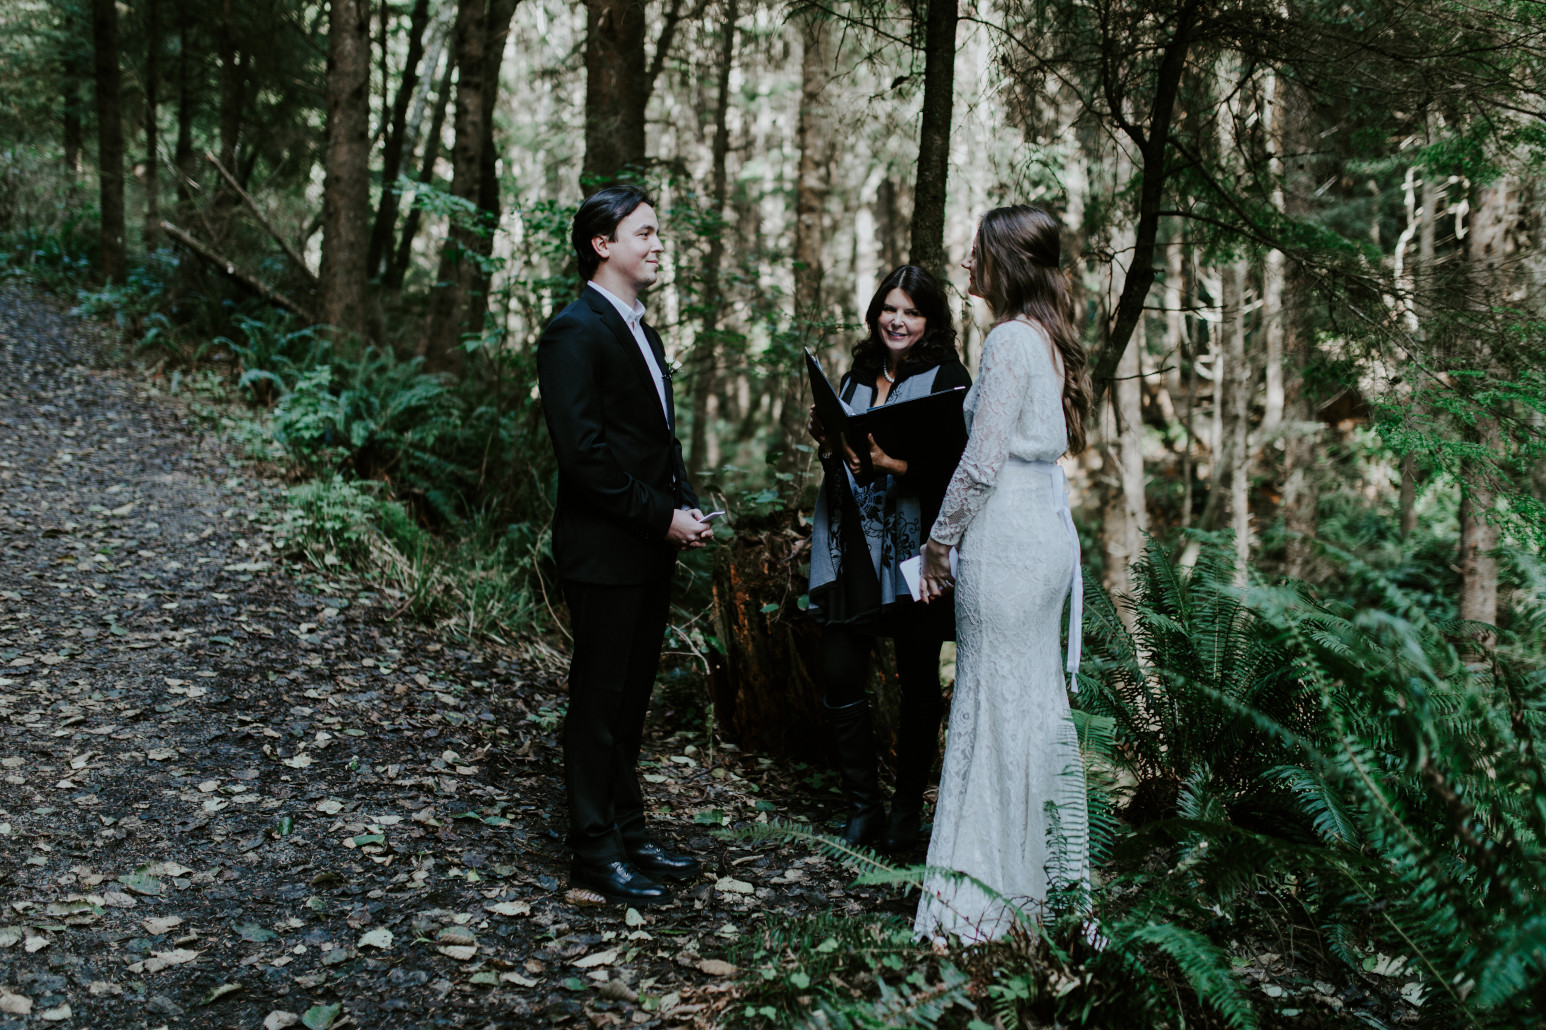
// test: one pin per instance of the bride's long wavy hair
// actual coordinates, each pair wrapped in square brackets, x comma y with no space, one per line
[1018,274]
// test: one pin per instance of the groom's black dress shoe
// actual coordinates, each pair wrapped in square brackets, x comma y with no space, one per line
[618,881]
[653,860]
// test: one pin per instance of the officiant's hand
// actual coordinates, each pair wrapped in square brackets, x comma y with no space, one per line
[882,461]
[687,532]
[935,579]
[818,431]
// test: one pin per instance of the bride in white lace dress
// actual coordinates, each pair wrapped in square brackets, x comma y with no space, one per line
[1011,810]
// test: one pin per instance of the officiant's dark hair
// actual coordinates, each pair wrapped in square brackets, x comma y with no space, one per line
[599,216]
[1017,251]
[939,333]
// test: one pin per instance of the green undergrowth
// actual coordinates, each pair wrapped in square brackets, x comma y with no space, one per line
[1303,813]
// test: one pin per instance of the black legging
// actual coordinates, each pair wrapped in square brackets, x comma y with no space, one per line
[845,668]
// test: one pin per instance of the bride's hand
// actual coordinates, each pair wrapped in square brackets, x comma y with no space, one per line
[935,579]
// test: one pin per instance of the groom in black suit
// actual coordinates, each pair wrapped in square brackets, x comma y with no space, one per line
[625,508]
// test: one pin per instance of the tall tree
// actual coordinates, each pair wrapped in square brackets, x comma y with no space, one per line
[443,326]
[152,135]
[346,188]
[928,225]
[104,35]
[182,154]
[706,349]
[396,137]
[442,101]
[616,87]
[811,186]
[74,72]
[496,31]
[1485,247]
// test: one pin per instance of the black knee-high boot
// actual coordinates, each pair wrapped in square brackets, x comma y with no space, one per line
[917,744]
[854,740]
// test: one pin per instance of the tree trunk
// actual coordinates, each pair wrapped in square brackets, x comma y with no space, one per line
[1273,265]
[928,228]
[152,103]
[1422,284]
[74,72]
[706,350]
[104,35]
[182,156]
[496,31]
[233,88]
[616,90]
[811,186]
[443,328]
[432,145]
[1126,515]
[396,136]
[1485,246]
[1237,391]
[346,188]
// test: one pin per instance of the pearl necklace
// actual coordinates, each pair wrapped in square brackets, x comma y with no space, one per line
[885,370]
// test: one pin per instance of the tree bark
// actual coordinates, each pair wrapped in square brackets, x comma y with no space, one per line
[1126,515]
[104,34]
[233,89]
[1153,142]
[152,104]
[706,350]
[392,150]
[496,32]
[74,71]
[1485,247]
[1237,386]
[443,327]
[811,184]
[1273,265]
[432,145]
[182,156]
[616,89]
[927,248]
[346,188]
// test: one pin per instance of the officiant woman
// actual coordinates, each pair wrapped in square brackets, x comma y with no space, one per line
[861,532]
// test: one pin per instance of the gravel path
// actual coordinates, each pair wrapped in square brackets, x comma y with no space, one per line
[236,794]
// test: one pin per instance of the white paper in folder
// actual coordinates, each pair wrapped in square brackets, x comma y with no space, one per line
[912,572]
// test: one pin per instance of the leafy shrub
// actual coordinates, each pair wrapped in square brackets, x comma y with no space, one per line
[273,355]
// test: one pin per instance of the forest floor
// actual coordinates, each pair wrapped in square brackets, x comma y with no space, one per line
[236,793]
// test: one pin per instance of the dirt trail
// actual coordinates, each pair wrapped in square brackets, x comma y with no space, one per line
[230,788]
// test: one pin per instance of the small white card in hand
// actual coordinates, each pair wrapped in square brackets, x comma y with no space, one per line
[912,572]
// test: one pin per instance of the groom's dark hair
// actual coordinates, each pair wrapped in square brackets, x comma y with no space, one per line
[599,216]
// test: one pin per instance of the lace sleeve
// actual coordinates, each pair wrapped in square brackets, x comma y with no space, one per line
[1009,362]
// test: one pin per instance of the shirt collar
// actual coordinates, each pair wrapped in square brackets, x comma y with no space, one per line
[632,315]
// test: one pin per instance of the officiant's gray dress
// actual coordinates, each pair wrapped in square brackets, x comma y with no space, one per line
[1011,809]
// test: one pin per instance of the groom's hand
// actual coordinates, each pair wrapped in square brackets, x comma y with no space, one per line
[686,532]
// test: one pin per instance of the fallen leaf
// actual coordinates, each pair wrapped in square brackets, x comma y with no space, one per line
[321,1017]
[518,980]
[731,885]
[159,960]
[56,1014]
[600,958]
[512,908]
[633,917]
[460,952]
[220,992]
[118,899]
[15,1004]
[329,806]
[299,761]
[716,967]
[161,754]
[279,1019]
[378,938]
[35,944]
[158,925]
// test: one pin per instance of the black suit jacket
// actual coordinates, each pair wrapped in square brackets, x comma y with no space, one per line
[620,470]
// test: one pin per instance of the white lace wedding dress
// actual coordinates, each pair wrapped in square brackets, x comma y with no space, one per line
[1011,808]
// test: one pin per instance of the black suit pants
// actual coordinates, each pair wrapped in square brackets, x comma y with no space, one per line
[618,633]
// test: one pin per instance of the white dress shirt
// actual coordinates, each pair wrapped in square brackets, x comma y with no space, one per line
[634,319]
